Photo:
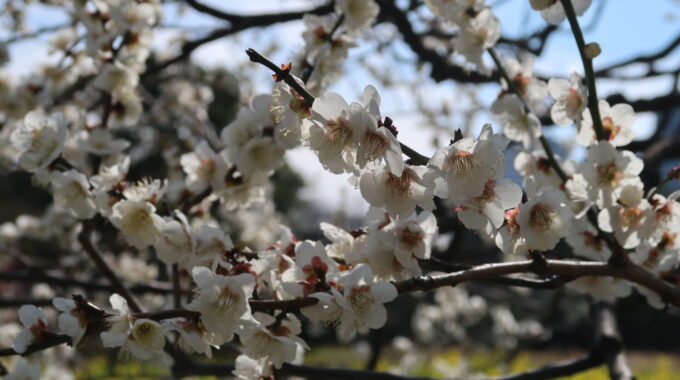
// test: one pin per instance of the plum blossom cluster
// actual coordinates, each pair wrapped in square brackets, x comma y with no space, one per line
[210,219]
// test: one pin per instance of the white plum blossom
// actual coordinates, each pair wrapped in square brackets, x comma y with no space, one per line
[607,171]
[141,337]
[378,142]
[335,130]
[138,222]
[192,336]
[72,192]
[393,248]
[584,240]
[277,342]
[518,124]
[110,177]
[34,329]
[203,168]
[467,164]
[222,300]
[544,220]
[570,100]
[119,324]
[256,140]
[533,90]
[23,370]
[316,37]
[601,287]
[146,190]
[40,139]
[100,141]
[487,211]
[552,11]
[176,242]
[146,340]
[250,369]
[72,319]
[628,219]
[344,245]
[536,165]
[291,109]
[616,122]
[453,10]
[313,269]
[478,32]
[399,195]
[362,301]
[211,244]
[359,14]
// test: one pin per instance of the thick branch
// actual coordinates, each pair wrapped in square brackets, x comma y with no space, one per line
[442,69]
[650,58]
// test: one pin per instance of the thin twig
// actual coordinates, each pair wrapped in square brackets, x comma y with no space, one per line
[85,239]
[588,69]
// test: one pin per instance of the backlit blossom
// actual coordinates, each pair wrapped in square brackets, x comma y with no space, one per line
[544,220]
[138,222]
[359,14]
[616,122]
[488,209]
[72,192]
[222,300]
[362,301]
[40,139]
[72,319]
[608,171]
[570,100]
[277,342]
[552,11]
[399,195]
[467,164]
[34,329]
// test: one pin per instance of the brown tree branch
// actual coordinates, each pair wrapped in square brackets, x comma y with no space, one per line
[238,23]
[37,277]
[85,239]
[442,69]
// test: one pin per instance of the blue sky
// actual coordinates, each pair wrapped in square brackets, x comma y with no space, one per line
[626,28]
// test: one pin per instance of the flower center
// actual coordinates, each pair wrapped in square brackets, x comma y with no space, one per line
[487,195]
[145,332]
[574,101]
[541,216]
[315,270]
[462,163]
[227,301]
[338,132]
[360,299]
[610,174]
[401,185]
[630,217]
[375,144]
[410,238]
[611,130]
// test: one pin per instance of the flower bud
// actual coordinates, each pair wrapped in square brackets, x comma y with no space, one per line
[593,50]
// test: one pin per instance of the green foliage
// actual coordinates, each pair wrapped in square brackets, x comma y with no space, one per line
[439,364]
